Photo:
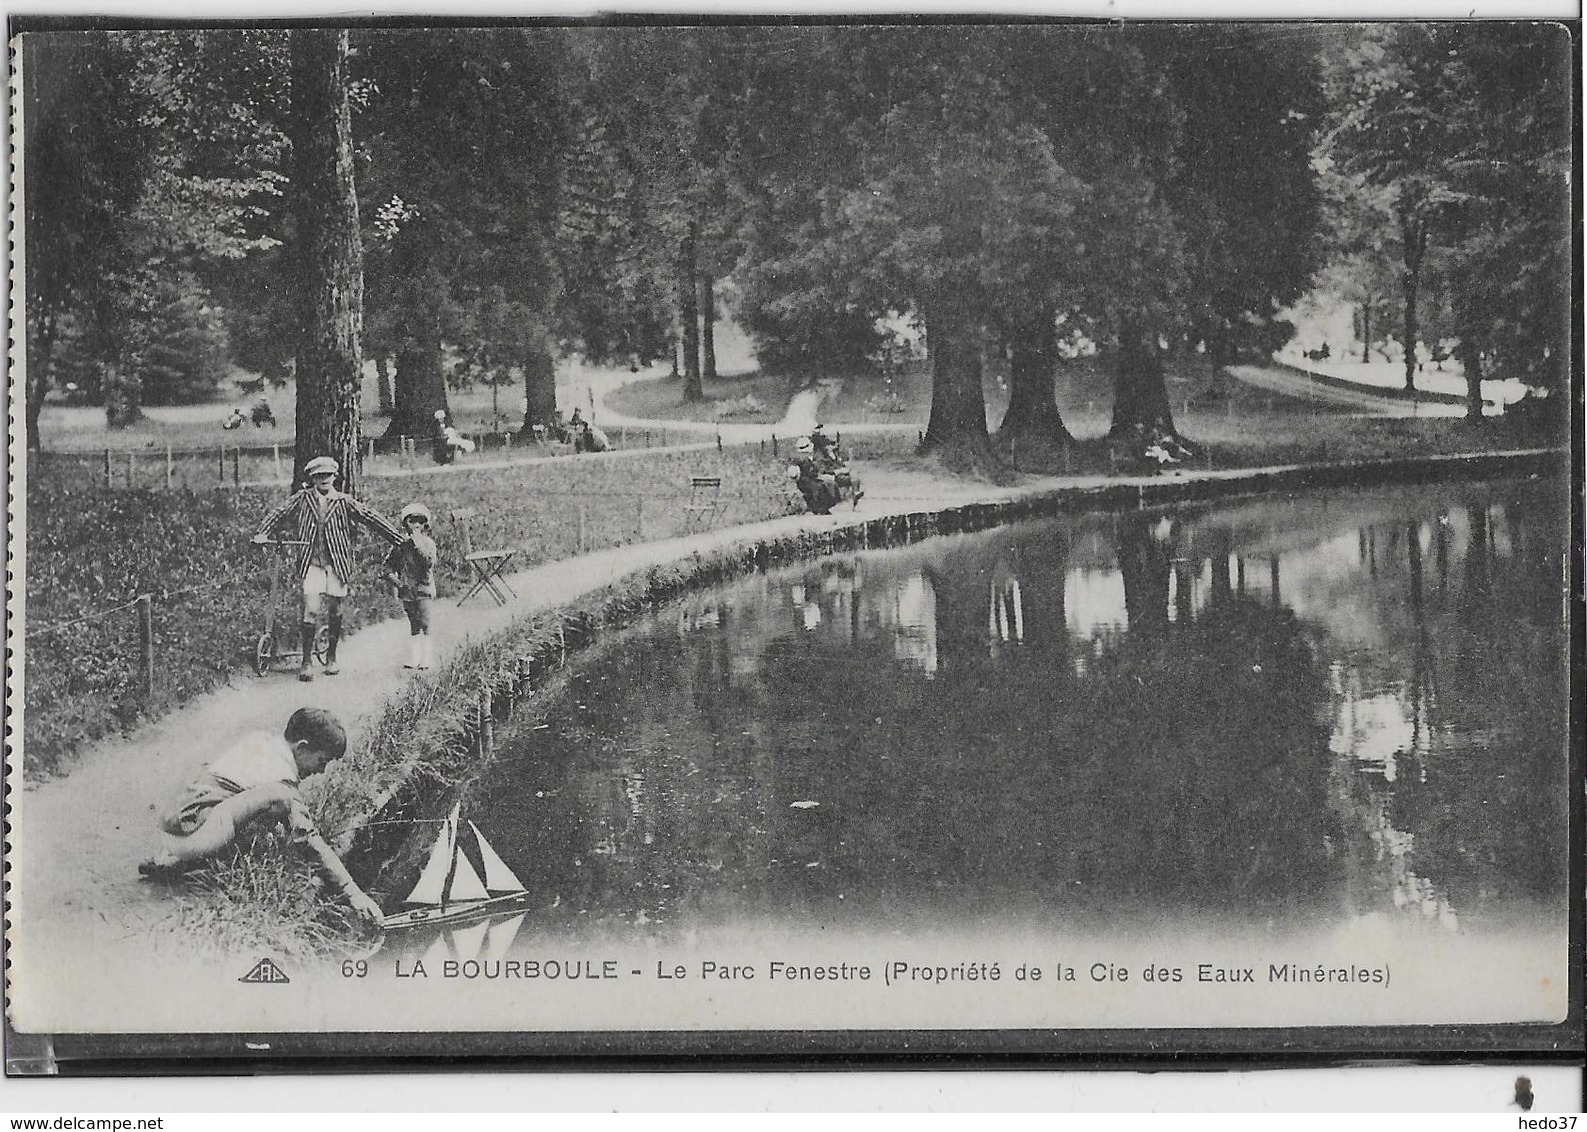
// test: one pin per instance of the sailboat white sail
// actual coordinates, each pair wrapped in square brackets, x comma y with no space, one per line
[498,877]
[431,887]
[450,890]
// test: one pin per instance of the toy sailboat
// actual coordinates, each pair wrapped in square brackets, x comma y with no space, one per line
[451,891]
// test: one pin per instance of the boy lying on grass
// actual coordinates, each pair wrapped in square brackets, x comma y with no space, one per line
[253,782]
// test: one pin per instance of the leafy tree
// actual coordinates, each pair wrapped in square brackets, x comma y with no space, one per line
[151,165]
[185,353]
[1363,248]
[1250,100]
[663,103]
[611,307]
[956,189]
[87,161]
[1112,128]
[458,146]
[1510,235]
[1464,127]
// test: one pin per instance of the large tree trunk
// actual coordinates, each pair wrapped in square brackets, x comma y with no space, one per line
[689,316]
[707,328]
[329,256]
[1413,234]
[420,385]
[1140,394]
[539,389]
[1032,407]
[383,385]
[958,404]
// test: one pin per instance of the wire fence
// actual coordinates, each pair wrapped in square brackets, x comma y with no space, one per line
[237,465]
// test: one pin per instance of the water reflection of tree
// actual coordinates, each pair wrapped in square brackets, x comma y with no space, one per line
[1208,725]
[1488,810]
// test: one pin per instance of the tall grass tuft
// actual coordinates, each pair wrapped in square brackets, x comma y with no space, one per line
[269,899]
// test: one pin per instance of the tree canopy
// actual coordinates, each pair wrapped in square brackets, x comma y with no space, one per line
[525,192]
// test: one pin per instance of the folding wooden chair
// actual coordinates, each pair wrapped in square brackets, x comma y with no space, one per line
[489,565]
[705,502]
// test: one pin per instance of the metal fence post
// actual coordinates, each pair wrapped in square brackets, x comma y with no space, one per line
[145,606]
[222,465]
[639,518]
[169,469]
[107,468]
[132,469]
[275,453]
[236,466]
[582,519]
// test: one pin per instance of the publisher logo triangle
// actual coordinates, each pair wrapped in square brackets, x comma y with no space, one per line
[265,971]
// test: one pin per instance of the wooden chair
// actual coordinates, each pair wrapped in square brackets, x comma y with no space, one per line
[489,565]
[705,502]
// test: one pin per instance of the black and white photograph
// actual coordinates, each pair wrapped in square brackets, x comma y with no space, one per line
[843,539]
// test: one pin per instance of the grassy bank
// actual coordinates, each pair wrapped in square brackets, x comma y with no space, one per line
[91,551]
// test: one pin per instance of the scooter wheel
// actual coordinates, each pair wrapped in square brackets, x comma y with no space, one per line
[264,651]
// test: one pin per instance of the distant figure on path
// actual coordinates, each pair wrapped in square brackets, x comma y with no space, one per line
[411,568]
[252,783]
[322,518]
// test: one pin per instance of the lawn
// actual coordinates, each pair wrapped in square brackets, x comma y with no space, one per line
[81,428]
[662,399]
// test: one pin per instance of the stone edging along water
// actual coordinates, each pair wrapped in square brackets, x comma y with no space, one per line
[438,733]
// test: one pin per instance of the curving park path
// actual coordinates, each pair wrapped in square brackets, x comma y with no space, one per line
[591,387]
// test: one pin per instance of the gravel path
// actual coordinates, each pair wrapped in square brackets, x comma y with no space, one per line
[1366,402]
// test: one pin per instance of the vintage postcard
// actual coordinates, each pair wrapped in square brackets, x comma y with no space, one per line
[833,539]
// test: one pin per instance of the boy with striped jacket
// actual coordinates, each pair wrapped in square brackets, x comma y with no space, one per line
[322,518]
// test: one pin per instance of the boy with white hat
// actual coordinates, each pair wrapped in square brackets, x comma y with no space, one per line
[411,568]
[323,519]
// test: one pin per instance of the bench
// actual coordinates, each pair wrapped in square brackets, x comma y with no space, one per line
[705,502]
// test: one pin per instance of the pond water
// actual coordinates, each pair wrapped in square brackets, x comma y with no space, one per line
[1266,718]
